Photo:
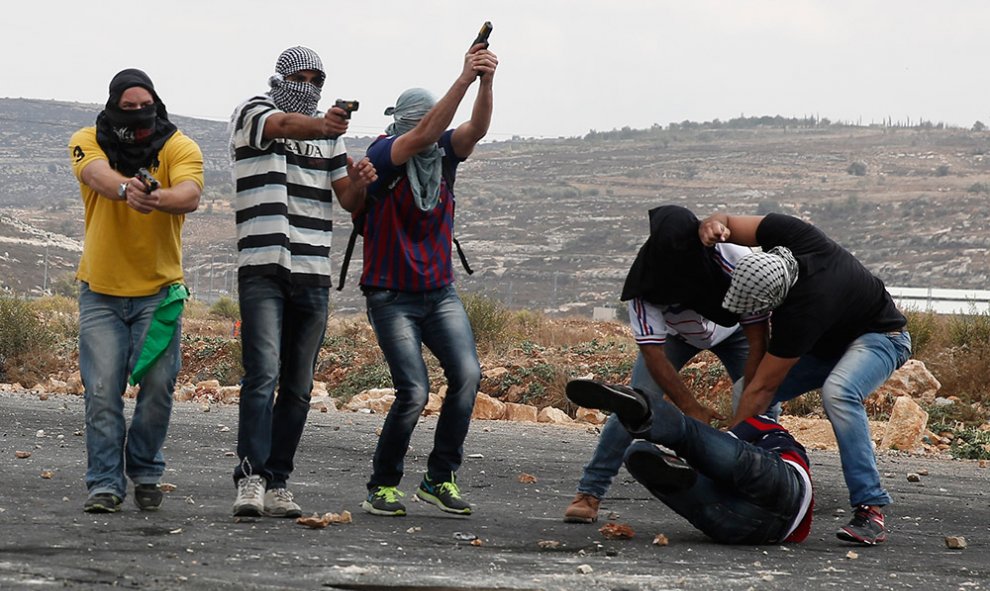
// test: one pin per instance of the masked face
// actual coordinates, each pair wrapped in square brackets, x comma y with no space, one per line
[133,119]
[293,94]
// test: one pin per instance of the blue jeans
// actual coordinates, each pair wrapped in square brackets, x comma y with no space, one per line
[607,458]
[111,331]
[403,323]
[282,328]
[742,495]
[846,382]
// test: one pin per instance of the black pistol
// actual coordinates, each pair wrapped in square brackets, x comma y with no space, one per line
[348,106]
[486,30]
[150,183]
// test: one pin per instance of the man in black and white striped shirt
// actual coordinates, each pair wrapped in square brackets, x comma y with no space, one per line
[289,162]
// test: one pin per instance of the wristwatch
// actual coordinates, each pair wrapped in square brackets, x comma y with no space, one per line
[122,190]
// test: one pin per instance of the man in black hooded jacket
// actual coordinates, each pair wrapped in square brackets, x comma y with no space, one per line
[674,291]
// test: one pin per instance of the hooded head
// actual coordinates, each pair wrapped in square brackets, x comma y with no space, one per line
[761,281]
[410,108]
[674,267]
[133,124]
[132,132]
[295,95]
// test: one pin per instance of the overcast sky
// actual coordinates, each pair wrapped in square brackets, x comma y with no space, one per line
[565,66]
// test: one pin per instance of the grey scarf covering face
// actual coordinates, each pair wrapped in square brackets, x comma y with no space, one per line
[296,97]
[425,168]
[761,281]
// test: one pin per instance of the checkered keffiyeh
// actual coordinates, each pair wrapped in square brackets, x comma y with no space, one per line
[296,97]
[761,280]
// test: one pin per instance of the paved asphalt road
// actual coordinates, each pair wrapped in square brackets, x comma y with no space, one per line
[46,541]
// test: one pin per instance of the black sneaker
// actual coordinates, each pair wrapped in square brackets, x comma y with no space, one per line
[661,473]
[630,405]
[148,497]
[384,500]
[102,503]
[866,527]
[445,495]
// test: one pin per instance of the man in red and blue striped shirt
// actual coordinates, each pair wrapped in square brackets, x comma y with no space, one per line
[408,281]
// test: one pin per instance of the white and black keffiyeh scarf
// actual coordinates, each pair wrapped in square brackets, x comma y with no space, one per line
[296,97]
[761,281]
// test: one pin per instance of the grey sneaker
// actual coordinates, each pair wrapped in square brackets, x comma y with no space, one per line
[279,503]
[250,501]
[148,497]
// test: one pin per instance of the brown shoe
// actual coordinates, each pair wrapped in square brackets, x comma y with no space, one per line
[583,509]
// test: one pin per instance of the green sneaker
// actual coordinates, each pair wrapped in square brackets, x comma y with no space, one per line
[102,503]
[384,500]
[444,495]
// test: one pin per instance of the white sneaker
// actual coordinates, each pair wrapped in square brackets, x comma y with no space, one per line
[279,503]
[250,501]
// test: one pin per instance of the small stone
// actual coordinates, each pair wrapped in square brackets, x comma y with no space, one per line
[912,477]
[852,555]
[22,454]
[585,569]
[660,540]
[955,542]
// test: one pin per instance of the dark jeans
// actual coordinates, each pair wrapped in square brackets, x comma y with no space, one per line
[282,328]
[403,323]
[743,494]
[607,458]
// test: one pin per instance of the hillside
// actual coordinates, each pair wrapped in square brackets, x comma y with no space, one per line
[553,224]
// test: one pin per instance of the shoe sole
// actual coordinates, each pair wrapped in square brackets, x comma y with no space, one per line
[591,394]
[102,509]
[847,536]
[427,497]
[249,511]
[289,514]
[574,519]
[660,474]
[368,507]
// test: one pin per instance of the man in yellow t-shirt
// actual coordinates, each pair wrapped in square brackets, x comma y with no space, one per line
[132,257]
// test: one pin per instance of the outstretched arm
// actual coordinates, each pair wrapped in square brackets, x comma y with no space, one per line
[759,393]
[437,120]
[468,134]
[664,374]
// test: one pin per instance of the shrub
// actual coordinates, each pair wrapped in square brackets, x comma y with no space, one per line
[359,379]
[857,168]
[227,308]
[489,321]
[923,327]
[26,342]
[969,330]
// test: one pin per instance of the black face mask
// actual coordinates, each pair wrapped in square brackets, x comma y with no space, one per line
[132,126]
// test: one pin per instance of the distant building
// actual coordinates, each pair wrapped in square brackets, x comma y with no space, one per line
[603,314]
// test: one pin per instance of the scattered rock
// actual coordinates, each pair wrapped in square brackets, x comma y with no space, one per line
[520,412]
[22,454]
[955,542]
[912,477]
[585,569]
[550,414]
[527,478]
[487,408]
[617,531]
[906,426]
